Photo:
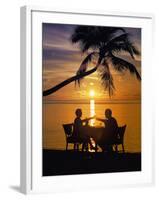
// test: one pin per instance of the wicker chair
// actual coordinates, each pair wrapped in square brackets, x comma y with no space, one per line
[120,140]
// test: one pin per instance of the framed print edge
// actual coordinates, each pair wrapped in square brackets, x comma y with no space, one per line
[27,175]
[25,103]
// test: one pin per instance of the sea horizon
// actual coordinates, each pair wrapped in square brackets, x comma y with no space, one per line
[88,101]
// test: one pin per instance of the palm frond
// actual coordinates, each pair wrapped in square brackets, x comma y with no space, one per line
[119,38]
[93,37]
[122,43]
[86,36]
[135,50]
[84,65]
[111,31]
[107,78]
[121,65]
[131,48]
[85,62]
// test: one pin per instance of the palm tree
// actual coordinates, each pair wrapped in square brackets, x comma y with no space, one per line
[101,46]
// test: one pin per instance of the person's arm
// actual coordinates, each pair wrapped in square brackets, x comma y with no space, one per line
[87,119]
[99,119]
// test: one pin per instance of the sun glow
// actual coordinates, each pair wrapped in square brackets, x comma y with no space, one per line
[91,93]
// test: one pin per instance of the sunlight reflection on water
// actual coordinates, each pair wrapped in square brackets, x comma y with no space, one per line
[92,111]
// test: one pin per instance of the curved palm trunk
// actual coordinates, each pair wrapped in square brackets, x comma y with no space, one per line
[67,81]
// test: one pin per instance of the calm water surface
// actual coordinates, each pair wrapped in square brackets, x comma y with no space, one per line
[54,115]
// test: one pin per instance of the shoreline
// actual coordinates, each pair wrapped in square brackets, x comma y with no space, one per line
[61,162]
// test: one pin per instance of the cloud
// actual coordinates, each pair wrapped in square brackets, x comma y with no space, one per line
[57,32]
[55,53]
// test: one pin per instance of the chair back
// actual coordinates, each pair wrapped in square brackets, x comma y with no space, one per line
[121,132]
[68,129]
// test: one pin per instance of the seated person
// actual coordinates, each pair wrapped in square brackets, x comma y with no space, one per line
[79,129]
[110,133]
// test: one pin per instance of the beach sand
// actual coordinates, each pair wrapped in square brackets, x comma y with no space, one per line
[61,162]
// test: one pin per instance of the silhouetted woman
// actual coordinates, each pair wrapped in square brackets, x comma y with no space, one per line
[79,129]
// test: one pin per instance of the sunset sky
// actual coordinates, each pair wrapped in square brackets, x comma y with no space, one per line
[61,60]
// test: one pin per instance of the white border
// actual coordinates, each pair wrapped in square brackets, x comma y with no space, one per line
[31,101]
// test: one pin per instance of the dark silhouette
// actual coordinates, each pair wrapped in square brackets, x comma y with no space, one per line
[68,129]
[80,133]
[120,138]
[71,138]
[79,130]
[67,81]
[101,45]
[110,133]
[61,162]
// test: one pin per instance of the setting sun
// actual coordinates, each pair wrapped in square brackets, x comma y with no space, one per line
[91,93]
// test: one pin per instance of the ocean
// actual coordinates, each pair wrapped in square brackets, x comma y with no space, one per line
[56,114]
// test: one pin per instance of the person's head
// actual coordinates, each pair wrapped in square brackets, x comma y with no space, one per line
[108,113]
[78,112]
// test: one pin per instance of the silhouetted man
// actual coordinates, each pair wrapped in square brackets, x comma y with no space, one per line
[109,135]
